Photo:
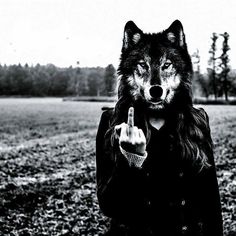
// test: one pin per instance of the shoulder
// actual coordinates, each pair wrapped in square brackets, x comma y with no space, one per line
[105,119]
[201,113]
[107,113]
[104,123]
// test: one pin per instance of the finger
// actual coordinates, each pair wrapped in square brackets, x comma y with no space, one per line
[135,132]
[130,121]
[135,135]
[141,135]
[123,133]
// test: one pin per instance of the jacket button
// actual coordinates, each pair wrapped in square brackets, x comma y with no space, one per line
[183,202]
[184,228]
[181,174]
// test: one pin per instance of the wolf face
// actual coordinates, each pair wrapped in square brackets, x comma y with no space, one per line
[155,68]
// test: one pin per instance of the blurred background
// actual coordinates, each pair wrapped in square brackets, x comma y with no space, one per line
[58,61]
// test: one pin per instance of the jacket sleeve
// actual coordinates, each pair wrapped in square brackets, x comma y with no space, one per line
[212,207]
[118,185]
[212,215]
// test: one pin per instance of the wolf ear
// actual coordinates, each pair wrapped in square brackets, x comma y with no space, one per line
[132,35]
[175,34]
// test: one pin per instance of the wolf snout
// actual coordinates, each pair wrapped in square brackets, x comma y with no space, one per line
[156,92]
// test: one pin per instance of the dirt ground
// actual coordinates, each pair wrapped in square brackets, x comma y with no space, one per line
[47,167]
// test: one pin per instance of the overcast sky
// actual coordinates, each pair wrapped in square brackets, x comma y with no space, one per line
[63,32]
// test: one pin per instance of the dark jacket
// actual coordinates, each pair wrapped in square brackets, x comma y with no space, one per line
[168,196]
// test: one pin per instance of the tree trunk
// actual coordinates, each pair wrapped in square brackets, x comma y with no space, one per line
[226,88]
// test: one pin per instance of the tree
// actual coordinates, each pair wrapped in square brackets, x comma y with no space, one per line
[110,80]
[59,84]
[49,80]
[40,80]
[93,84]
[212,61]
[196,86]
[16,81]
[232,78]
[224,65]
[201,82]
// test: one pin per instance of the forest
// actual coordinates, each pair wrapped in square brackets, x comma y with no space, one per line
[49,80]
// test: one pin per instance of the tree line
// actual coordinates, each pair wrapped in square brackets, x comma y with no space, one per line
[49,80]
[220,79]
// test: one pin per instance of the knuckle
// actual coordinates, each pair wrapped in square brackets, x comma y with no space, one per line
[140,130]
[138,142]
[125,140]
[121,142]
[143,141]
[121,125]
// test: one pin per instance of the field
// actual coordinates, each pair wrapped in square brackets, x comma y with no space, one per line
[47,166]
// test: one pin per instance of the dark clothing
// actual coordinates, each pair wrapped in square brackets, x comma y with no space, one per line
[168,196]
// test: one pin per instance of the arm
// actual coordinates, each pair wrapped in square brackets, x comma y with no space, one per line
[211,203]
[211,207]
[119,185]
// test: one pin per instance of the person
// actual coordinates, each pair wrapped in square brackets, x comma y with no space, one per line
[155,168]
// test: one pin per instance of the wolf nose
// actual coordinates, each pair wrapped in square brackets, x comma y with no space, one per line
[156,91]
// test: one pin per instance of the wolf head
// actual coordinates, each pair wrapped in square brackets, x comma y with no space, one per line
[155,68]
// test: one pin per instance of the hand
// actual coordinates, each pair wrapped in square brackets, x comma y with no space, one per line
[132,139]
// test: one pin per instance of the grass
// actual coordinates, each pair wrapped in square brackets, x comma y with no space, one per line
[47,173]
[213,101]
[91,99]
[26,119]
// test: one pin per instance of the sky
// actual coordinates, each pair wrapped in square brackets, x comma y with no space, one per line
[64,32]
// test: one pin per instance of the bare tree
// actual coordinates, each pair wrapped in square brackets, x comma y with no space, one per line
[225,65]
[212,61]
[201,83]
[110,80]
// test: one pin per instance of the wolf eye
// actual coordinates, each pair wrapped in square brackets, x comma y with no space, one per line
[166,65]
[143,64]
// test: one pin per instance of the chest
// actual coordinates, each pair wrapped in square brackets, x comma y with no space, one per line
[166,168]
